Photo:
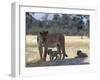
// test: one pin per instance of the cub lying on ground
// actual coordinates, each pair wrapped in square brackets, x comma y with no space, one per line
[80,54]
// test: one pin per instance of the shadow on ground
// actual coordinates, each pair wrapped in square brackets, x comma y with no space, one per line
[74,61]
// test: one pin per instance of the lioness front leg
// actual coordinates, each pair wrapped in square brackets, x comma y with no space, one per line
[51,58]
[45,52]
[40,52]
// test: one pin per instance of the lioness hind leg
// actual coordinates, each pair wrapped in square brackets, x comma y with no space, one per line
[64,53]
[59,50]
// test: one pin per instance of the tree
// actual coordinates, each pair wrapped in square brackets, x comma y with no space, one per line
[68,24]
[29,22]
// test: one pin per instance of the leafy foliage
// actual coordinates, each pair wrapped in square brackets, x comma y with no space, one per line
[68,24]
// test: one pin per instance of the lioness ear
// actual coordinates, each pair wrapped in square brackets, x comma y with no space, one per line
[40,32]
[46,32]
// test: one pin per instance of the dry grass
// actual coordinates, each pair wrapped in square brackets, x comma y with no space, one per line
[72,44]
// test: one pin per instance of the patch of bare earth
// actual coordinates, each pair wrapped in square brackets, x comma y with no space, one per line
[72,44]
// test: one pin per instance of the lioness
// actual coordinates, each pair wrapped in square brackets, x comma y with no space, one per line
[46,40]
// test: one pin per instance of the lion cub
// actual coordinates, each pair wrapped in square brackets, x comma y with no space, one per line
[80,54]
[53,54]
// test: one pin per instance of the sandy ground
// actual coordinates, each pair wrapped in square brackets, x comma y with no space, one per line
[72,44]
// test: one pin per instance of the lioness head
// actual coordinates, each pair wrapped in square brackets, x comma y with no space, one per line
[43,36]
